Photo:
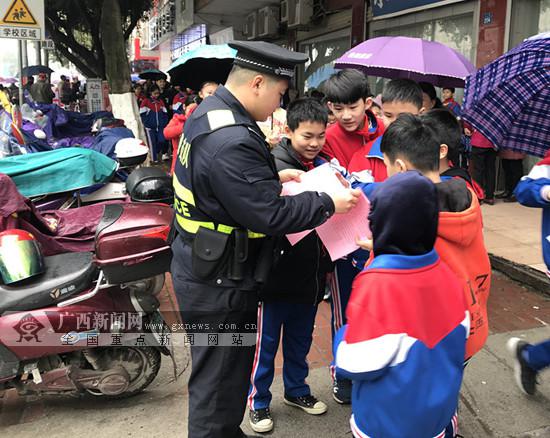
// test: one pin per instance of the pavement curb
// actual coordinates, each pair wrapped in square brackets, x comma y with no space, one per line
[535,279]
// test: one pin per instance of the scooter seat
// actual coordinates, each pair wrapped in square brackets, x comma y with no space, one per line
[64,275]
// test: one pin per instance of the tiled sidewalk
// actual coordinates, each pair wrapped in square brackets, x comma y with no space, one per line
[514,233]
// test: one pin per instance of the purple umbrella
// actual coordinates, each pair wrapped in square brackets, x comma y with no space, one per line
[508,100]
[413,58]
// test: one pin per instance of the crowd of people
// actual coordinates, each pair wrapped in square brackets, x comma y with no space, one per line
[401,371]
[409,153]
[164,108]
[69,92]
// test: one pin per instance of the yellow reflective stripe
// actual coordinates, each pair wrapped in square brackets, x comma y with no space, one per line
[226,229]
[254,235]
[182,192]
[192,226]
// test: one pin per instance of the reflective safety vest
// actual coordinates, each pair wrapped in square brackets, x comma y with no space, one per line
[188,217]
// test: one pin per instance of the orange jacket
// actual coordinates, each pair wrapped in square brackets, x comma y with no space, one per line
[460,245]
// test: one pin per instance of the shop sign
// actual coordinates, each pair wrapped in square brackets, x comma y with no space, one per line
[94,95]
[389,8]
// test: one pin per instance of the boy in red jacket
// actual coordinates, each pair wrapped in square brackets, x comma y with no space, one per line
[407,320]
[347,93]
[399,96]
[348,97]
[414,143]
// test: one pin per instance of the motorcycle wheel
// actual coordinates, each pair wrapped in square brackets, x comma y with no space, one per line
[142,364]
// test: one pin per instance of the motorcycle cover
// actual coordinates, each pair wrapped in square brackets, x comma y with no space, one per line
[57,231]
[58,171]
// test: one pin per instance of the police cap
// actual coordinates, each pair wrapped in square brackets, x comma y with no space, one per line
[267,58]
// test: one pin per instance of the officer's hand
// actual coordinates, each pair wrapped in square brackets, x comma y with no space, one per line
[290,175]
[345,200]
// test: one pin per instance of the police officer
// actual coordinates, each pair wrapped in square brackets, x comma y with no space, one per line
[228,206]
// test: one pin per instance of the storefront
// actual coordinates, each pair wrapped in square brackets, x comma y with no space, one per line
[191,38]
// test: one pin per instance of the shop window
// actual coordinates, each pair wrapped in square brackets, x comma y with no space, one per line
[320,64]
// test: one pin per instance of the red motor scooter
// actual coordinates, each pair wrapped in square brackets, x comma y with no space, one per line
[91,323]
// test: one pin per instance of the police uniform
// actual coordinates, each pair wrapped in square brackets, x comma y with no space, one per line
[228,208]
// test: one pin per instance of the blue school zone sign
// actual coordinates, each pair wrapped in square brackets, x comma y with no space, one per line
[386,7]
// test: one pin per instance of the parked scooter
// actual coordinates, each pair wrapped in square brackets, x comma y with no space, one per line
[63,178]
[90,323]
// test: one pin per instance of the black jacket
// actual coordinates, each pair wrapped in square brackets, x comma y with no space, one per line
[299,276]
[225,174]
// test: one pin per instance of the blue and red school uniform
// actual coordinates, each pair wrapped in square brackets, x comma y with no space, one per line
[155,118]
[453,106]
[178,103]
[344,146]
[403,347]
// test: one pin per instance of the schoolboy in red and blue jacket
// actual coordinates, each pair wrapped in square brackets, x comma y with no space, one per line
[347,93]
[403,346]
[399,96]
[179,102]
[155,117]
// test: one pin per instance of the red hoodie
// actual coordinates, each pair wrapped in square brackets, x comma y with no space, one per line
[341,144]
[174,129]
[461,246]
[173,132]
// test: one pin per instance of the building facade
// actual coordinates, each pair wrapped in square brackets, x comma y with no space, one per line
[324,29]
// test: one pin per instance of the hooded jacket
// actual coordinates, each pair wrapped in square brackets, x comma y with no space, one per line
[461,246]
[299,276]
[173,132]
[403,346]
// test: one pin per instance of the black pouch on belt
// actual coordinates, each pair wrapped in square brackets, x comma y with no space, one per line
[264,263]
[209,254]
[239,256]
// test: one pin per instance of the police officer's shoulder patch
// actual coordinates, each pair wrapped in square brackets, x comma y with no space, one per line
[220,118]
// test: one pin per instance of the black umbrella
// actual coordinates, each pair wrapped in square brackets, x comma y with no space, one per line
[153,75]
[32,70]
[197,71]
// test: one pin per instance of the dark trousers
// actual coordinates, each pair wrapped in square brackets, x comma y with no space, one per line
[513,171]
[296,322]
[340,292]
[220,375]
[484,169]
[159,145]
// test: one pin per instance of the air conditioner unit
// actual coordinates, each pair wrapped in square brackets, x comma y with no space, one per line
[299,12]
[251,26]
[268,21]
[284,11]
